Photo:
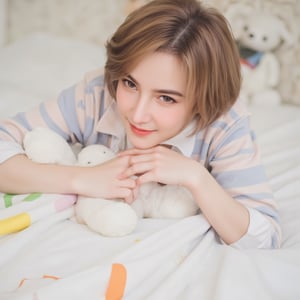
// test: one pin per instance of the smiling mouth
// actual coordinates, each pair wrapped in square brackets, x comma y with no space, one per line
[140,131]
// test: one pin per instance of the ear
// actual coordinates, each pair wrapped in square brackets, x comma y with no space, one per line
[236,15]
[288,38]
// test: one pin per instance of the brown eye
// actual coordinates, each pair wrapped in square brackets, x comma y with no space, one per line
[167,99]
[128,83]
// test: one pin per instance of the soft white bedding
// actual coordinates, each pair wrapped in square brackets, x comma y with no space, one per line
[56,258]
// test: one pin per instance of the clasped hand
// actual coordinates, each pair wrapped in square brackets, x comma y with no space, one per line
[157,164]
[121,177]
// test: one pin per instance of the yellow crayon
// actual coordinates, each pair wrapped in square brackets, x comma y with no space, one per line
[14,224]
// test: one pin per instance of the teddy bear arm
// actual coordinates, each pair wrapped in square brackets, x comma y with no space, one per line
[171,202]
[271,66]
[108,217]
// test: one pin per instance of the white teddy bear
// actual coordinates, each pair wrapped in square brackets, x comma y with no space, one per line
[258,34]
[109,217]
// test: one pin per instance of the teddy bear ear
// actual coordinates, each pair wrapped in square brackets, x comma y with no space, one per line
[286,35]
[236,15]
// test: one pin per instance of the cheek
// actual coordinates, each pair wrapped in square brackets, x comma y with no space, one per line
[119,93]
[175,119]
[122,99]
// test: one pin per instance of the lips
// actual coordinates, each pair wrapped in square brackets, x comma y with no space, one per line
[140,131]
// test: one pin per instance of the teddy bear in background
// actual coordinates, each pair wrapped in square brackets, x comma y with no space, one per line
[258,34]
[109,217]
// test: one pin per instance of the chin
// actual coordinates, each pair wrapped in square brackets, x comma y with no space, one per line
[141,144]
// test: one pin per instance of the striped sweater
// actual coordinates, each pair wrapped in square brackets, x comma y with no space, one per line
[86,113]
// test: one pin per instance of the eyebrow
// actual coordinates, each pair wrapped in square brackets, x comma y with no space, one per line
[162,91]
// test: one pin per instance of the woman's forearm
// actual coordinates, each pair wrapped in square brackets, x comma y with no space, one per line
[20,175]
[229,218]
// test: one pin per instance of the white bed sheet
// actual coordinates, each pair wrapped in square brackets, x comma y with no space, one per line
[60,259]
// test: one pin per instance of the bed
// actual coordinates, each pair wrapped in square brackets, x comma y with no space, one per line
[57,258]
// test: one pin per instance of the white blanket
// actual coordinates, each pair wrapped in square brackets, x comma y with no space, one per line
[56,258]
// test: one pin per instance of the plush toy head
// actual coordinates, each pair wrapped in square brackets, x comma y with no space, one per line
[256,29]
[94,155]
[38,145]
[43,145]
[259,34]
[263,32]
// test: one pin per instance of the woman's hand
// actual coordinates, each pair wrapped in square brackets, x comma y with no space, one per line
[160,164]
[104,180]
[227,216]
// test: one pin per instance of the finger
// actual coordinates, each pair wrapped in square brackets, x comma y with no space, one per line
[134,151]
[135,192]
[130,197]
[123,160]
[141,158]
[128,183]
[124,194]
[135,169]
[146,177]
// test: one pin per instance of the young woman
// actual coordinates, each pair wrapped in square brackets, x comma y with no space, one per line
[167,102]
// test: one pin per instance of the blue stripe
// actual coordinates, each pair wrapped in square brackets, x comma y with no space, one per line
[98,81]
[21,119]
[102,107]
[200,149]
[8,133]
[66,103]
[241,129]
[81,105]
[255,196]
[268,211]
[98,138]
[241,152]
[51,124]
[233,114]
[102,139]
[237,134]
[220,124]
[241,178]
[92,139]
[88,129]
[275,241]
[253,135]
[89,136]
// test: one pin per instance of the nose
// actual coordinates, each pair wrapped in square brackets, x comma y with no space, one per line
[141,112]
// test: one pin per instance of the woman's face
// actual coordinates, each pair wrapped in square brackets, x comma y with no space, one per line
[151,100]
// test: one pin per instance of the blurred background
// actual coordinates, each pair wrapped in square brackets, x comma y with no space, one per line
[94,20]
[61,39]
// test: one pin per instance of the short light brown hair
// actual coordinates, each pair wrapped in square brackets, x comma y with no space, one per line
[199,36]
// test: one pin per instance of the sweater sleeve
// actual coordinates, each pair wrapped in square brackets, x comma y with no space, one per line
[236,165]
[71,115]
[261,233]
